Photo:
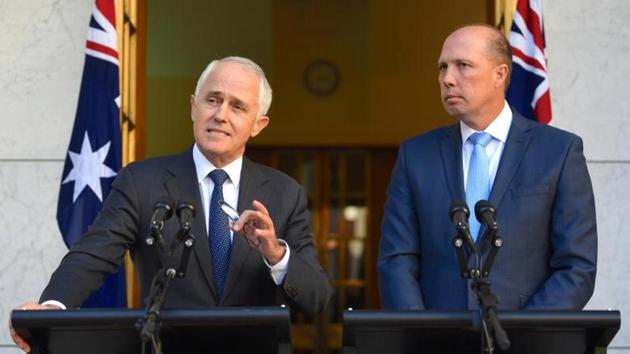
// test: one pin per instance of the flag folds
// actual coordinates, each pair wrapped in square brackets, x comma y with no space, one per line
[529,88]
[94,153]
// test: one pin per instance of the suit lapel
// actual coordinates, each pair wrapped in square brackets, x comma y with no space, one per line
[184,187]
[251,187]
[515,147]
[451,147]
[452,161]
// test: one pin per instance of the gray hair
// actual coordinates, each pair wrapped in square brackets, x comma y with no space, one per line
[264,89]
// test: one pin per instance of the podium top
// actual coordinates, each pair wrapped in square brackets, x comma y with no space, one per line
[404,329]
[123,318]
[225,329]
[463,319]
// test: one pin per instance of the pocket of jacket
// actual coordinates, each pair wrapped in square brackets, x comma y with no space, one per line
[528,191]
[523,299]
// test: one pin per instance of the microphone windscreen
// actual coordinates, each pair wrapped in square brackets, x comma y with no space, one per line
[457,207]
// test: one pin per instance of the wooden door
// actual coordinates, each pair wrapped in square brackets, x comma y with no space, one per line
[346,194]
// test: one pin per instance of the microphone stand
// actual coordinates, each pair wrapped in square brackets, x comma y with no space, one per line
[149,325]
[492,331]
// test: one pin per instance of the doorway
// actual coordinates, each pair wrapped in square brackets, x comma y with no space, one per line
[345,187]
[351,80]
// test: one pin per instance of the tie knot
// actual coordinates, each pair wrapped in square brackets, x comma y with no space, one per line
[480,138]
[218,176]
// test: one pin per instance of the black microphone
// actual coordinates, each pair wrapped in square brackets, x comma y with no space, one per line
[458,212]
[185,212]
[161,211]
[486,214]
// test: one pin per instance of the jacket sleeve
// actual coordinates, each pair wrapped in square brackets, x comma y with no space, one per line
[399,251]
[101,250]
[306,285]
[573,259]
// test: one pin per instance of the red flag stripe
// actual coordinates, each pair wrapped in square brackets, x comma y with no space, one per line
[533,22]
[543,108]
[107,8]
[101,48]
[527,59]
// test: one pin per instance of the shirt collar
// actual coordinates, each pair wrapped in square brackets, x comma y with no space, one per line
[499,128]
[203,167]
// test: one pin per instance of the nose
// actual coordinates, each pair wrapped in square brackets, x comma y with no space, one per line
[221,113]
[447,77]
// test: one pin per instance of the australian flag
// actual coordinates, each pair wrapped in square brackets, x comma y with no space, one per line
[529,88]
[94,154]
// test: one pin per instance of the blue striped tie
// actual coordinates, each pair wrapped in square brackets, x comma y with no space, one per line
[219,232]
[478,182]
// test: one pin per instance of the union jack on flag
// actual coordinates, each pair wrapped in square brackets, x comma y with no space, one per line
[529,88]
[94,153]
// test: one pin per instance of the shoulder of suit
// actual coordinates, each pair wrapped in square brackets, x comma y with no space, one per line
[159,163]
[547,131]
[432,136]
[269,173]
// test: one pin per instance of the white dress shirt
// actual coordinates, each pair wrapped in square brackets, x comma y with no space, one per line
[498,129]
[230,196]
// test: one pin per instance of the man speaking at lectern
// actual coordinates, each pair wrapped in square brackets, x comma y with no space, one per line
[534,175]
[266,258]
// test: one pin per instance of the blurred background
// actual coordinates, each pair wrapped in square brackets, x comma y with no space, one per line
[351,80]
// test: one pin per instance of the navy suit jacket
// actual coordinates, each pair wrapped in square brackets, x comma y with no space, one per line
[545,210]
[123,224]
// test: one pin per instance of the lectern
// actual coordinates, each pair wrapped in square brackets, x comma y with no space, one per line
[217,330]
[403,332]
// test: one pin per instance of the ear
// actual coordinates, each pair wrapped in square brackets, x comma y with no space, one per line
[193,107]
[500,75]
[260,124]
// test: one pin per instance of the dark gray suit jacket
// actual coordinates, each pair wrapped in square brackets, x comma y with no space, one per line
[545,210]
[123,224]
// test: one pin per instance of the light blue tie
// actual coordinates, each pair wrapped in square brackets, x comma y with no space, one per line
[219,232]
[478,182]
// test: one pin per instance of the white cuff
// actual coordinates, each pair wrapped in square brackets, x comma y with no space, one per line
[279,270]
[54,303]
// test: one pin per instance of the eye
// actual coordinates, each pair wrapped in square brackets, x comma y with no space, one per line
[239,107]
[213,100]
[442,67]
[464,65]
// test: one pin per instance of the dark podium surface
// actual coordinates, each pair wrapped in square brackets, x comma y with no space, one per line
[216,330]
[531,332]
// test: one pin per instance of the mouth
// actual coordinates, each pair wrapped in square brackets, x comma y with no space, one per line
[217,132]
[452,98]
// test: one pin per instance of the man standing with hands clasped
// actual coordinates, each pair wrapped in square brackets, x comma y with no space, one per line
[265,258]
[535,175]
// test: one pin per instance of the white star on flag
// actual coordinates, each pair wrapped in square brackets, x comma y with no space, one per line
[88,169]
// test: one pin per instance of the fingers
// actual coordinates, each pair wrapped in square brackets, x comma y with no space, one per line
[17,339]
[245,222]
[260,207]
[36,306]
[251,220]
[257,227]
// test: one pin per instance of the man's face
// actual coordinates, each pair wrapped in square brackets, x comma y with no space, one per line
[471,82]
[225,112]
